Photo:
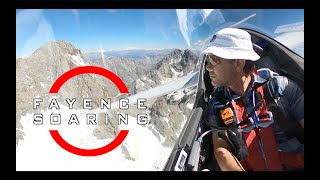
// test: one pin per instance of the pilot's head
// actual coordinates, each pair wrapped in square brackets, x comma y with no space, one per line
[232,43]
[229,55]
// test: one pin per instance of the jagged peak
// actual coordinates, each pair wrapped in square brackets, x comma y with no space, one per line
[181,52]
[176,51]
[61,46]
[189,53]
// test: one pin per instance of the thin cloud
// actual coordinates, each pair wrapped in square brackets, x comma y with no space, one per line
[155,20]
[294,27]
[186,20]
[43,34]
[26,20]
[76,15]
[205,13]
[164,34]
[182,19]
[113,11]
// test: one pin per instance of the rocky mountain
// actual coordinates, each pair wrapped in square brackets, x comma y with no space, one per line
[170,112]
[36,74]
[129,70]
[176,64]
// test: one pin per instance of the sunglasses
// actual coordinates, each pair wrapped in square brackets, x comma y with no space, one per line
[213,61]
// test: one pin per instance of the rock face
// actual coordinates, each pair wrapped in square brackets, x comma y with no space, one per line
[36,74]
[169,113]
[176,64]
[129,70]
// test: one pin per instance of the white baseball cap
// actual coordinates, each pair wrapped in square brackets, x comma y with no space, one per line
[232,43]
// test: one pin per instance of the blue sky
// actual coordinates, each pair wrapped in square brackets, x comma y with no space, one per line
[90,29]
[118,29]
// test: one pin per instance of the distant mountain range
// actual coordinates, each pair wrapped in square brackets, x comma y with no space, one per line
[129,54]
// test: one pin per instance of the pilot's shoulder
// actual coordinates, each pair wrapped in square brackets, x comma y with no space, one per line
[277,83]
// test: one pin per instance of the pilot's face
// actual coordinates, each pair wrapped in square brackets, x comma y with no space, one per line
[221,71]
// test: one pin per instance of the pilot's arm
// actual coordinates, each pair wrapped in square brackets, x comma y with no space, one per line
[294,100]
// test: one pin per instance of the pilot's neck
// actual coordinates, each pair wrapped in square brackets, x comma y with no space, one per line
[240,85]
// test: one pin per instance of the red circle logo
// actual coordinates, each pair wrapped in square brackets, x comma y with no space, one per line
[87,70]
